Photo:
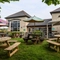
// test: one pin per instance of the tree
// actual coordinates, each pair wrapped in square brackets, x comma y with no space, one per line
[49,2]
[2,1]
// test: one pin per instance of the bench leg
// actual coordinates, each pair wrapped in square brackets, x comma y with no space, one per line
[26,41]
[38,41]
[35,42]
[11,53]
[7,43]
[57,48]
[49,44]
[52,46]
[8,53]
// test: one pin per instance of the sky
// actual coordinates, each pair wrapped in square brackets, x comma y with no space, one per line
[32,7]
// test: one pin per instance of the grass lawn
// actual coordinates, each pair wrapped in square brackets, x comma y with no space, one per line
[32,52]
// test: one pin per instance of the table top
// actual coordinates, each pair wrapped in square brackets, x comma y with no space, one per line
[57,35]
[2,33]
[3,39]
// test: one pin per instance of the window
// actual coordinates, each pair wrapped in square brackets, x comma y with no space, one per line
[15,25]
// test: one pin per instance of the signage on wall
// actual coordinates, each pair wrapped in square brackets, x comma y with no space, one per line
[53,29]
[24,29]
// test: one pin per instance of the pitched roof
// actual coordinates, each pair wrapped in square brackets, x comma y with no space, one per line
[19,14]
[40,23]
[34,19]
[56,10]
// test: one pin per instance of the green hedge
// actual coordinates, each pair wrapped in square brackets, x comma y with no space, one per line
[37,32]
[14,34]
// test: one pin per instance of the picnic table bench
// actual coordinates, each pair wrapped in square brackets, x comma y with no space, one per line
[35,40]
[54,45]
[12,49]
[33,37]
[58,37]
[5,43]
[52,39]
[12,41]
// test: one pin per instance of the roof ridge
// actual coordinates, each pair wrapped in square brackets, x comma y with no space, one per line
[15,13]
[55,10]
[20,13]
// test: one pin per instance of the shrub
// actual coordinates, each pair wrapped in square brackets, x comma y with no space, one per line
[3,31]
[10,34]
[37,32]
[40,34]
[14,34]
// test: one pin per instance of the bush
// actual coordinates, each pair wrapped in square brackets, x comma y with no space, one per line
[14,34]
[40,34]
[3,31]
[10,34]
[37,32]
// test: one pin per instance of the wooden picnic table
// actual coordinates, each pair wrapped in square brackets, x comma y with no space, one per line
[57,36]
[33,37]
[4,42]
[54,45]
[36,38]
[11,49]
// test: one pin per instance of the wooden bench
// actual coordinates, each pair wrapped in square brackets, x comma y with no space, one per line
[54,45]
[52,39]
[12,41]
[27,37]
[35,40]
[4,45]
[12,49]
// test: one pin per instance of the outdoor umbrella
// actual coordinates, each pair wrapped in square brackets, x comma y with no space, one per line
[34,19]
[4,27]
[3,21]
[3,24]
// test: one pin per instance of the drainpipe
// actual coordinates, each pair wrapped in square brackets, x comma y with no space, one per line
[10,26]
[47,31]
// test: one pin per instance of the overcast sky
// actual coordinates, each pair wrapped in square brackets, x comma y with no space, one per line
[32,7]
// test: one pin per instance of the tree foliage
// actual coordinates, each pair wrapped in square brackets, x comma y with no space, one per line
[49,2]
[2,1]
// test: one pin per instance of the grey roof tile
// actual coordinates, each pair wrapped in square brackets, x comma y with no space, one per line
[18,14]
[40,23]
[56,10]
